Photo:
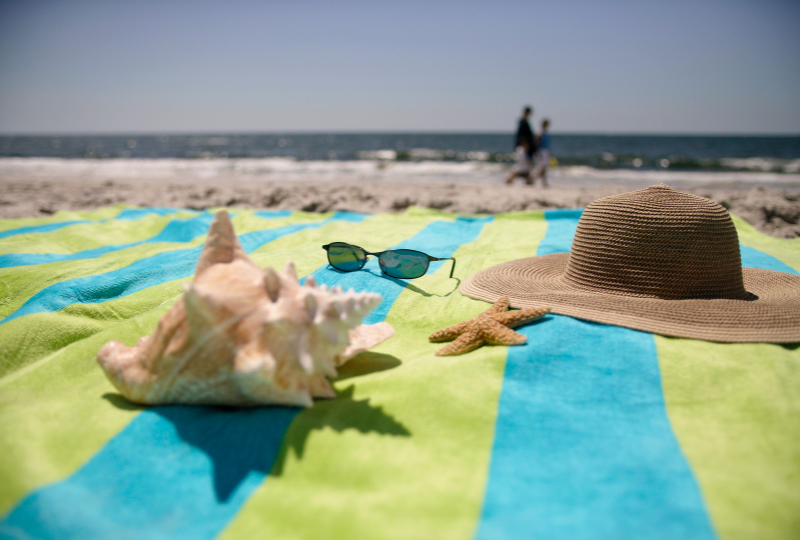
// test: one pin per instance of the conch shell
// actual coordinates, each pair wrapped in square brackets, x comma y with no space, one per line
[244,336]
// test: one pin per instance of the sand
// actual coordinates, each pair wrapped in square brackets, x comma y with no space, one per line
[772,211]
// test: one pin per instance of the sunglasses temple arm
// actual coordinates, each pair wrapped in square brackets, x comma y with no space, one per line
[452,268]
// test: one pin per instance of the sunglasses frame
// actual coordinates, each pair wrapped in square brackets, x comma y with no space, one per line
[378,254]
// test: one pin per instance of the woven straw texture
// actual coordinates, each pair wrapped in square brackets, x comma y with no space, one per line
[656,260]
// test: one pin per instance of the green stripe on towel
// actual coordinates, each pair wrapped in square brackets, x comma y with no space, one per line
[108,212]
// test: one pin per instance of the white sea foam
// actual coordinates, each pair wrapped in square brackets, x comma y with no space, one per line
[287,169]
[260,168]
[763,164]
[377,154]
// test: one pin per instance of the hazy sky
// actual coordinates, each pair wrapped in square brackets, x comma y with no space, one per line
[718,66]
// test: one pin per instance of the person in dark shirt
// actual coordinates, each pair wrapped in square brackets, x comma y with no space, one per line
[525,133]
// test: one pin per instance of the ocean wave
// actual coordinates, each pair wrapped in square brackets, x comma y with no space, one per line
[763,164]
[605,160]
[757,154]
[430,154]
[379,170]
[255,168]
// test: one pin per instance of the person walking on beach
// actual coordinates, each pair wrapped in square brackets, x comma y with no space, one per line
[523,166]
[542,154]
[525,133]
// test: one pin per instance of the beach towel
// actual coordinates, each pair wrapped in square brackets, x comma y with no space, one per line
[586,431]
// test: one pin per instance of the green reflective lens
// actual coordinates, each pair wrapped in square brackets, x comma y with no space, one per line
[345,257]
[404,263]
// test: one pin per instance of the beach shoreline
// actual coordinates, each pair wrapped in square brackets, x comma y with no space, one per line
[772,210]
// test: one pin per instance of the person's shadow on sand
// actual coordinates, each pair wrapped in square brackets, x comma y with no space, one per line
[240,441]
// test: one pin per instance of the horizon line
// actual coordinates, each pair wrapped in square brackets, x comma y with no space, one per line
[392,132]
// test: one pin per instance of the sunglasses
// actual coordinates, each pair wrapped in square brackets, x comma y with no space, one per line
[397,263]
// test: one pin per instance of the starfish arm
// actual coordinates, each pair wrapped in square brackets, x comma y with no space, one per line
[449,333]
[499,307]
[495,333]
[517,318]
[468,341]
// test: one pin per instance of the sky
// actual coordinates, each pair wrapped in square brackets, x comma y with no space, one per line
[673,67]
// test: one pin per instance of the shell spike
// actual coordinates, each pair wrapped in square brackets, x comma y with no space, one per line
[311,307]
[221,245]
[272,284]
[289,271]
[332,311]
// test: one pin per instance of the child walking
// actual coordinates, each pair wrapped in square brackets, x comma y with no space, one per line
[543,154]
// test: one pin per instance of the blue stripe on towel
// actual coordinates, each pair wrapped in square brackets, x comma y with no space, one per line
[561,226]
[138,213]
[754,258]
[184,472]
[174,472]
[269,214]
[583,446]
[147,272]
[177,230]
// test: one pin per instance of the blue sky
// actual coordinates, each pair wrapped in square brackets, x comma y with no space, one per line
[591,66]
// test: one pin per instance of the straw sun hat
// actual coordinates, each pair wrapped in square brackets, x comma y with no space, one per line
[656,260]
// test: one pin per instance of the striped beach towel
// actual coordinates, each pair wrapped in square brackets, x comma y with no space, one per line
[587,431]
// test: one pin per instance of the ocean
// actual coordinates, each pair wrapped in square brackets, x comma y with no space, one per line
[583,159]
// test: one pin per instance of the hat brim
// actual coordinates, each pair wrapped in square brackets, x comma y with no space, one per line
[771,314]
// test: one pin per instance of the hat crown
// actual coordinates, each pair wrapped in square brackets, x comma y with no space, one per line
[657,243]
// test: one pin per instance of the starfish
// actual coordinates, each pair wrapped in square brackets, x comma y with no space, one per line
[493,326]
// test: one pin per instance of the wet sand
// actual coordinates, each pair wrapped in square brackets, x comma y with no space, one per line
[774,211]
